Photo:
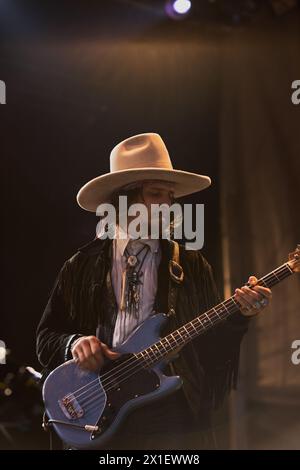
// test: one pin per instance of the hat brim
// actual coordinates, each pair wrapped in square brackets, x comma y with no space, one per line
[100,189]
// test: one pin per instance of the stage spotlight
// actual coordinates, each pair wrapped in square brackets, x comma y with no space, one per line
[178,9]
[182,6]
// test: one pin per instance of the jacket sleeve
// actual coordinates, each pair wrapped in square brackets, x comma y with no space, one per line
[219,348]
[56,331]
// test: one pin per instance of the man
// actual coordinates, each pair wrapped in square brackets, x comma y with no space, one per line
[110,286]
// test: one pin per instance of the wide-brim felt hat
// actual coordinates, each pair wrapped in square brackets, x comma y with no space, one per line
[139,158]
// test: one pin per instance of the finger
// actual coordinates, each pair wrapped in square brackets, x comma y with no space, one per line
[91,364]
[93,359]
[241,299]
[291,255]
[251,295]
[86,359]
[108,352]
[95,345]
[78,354]
[264,291]
[249,299]
[86,348]
[83,355]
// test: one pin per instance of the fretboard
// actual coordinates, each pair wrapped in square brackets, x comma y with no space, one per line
[204,322]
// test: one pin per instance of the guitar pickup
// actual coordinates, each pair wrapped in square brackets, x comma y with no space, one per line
[70,407]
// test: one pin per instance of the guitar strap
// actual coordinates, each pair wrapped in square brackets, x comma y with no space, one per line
[175,279]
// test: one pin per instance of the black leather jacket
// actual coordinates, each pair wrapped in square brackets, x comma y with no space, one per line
[82,302]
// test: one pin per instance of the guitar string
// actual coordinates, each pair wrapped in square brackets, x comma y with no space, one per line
[134,359]
[93,401]
[94,397]
[136,362]
[139,361]
[125,377]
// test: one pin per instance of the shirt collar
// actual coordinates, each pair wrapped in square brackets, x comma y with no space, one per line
[124,238]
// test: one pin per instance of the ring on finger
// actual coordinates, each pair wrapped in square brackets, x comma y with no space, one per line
[257,304]
[263,302]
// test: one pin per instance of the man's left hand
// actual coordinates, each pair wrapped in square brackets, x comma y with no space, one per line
[252,300]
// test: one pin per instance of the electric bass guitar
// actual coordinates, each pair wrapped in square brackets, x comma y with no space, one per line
[86,408]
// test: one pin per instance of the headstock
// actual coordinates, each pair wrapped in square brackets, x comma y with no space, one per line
[294,260]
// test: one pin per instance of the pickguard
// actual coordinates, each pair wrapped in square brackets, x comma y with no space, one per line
[119,393]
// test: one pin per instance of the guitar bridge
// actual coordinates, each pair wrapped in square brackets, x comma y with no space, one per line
[70,407]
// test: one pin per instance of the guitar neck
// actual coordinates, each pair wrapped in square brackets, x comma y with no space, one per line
[205,321]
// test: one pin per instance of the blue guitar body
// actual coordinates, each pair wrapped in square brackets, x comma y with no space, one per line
[86,408]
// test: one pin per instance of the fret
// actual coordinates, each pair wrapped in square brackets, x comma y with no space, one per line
[229,306]
[273,272]
[272,282]
[192,324]
[215,310]
[286,273]
[199,320]
[180,336]
[152,351]
[183,336]
[235,303]
[282,272]
[208,318]
[141,354]
[193,331]
[289,268]
[187,332]
[221,310]
[145,352]
[263,283]
[177,331]
[179,339]
[223,303]
[162,343]
[170,345]
[204,323]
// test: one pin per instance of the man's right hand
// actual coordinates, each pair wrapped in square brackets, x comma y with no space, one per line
[89,352]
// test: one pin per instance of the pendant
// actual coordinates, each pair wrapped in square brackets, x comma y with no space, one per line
[132,261]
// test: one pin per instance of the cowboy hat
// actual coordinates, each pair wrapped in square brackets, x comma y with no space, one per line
[138,158]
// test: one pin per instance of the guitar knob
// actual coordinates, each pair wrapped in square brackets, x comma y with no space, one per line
[111,409]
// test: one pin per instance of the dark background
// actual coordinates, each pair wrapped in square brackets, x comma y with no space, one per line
[82,76]
[79,80]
